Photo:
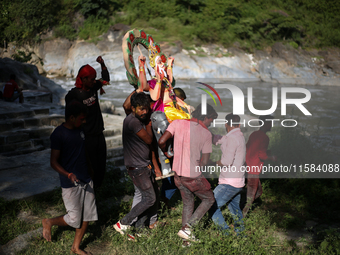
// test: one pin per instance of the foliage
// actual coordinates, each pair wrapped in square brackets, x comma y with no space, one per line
[97,8]
[93,27]
[254,23]
[21,20]
[331,241]
[225,21]
[21,56]
[65,30]
[93,8]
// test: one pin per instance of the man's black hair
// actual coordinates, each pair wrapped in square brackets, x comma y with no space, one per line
[140,99]
[12,76]
[74,108]
[231,118]
[211,113]
[180,93]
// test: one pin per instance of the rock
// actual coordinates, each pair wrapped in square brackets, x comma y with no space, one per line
[107,107]
[268,49]
[334,65]
[19,243]
[278,70]
[55,55]
[279,64]
[259,54]
[171,50]
[80,54]
[28,217]
[113,36]
[121,27]
[235,51]
[280,51]
[119,111]
[106,46]
[323,53]
[28,77]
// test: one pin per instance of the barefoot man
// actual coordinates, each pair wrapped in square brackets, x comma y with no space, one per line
[69,160]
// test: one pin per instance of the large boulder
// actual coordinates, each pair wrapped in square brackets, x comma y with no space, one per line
[54,54]
[28,77]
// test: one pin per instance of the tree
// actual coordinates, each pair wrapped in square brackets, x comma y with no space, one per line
[24,19]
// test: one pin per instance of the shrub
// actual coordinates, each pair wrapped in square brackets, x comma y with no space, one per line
[21,56]
[294,45]
[93,27]
[65,30]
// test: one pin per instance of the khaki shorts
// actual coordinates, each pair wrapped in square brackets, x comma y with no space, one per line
[78,207]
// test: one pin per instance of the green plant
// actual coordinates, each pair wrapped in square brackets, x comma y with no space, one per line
[294,44]
[21,56]
[329,241]
[93,27]
[97,8]
[65,30]
[22,20]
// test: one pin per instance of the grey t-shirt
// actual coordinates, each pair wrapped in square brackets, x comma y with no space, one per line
[136,151]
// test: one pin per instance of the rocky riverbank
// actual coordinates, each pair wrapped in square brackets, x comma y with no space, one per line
[278,64]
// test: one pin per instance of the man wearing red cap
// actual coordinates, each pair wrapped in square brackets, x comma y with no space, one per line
[86,92]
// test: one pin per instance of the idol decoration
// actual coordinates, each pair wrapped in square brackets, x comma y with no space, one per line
[166,106]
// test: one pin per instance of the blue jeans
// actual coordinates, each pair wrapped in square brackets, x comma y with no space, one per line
[225,193]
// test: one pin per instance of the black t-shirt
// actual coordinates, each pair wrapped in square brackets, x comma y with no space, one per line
[71,144]
[136,151]
[94,121]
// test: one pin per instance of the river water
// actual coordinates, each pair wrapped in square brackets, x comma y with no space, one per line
[324,104]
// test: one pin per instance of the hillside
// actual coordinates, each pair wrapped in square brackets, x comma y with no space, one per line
[247,24]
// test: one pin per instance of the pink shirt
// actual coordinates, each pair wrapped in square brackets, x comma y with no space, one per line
[233,147]
[190,139]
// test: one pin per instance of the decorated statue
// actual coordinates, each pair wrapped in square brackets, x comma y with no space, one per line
[160,85]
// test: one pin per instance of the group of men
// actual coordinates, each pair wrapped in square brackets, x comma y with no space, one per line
[78,154]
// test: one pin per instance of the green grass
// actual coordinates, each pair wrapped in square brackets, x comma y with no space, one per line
[286,204]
